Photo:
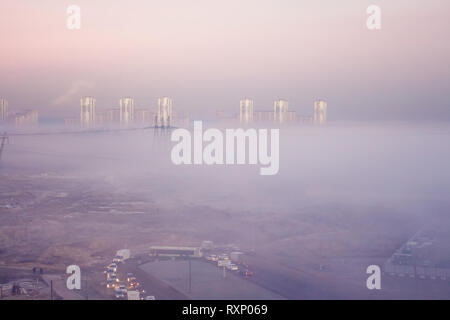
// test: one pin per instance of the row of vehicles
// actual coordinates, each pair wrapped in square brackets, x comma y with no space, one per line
[129,288]
[133,291]
[224,260]
[112,281]
[121,291]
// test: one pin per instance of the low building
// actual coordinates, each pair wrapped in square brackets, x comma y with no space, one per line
[166,251]
[304,120]
[144,116]
[180,120]
[264,116]
[112,115]
[72,122]
[26,118]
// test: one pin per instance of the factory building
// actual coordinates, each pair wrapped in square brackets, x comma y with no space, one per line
[143,116]
[26,118]
[304,120]
[226,118]
[3,110]
[180,120]
[164,113]
[246,111]
[281,113]
[87,112]
[280,110]
[112,115]
[126,110]
[290,116]
[126,114]
[100,119]
[320,112]
[263,116]
[166,251]
[108,117]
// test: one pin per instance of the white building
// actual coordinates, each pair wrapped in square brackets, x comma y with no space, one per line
[26,118]
[164,112]
[246,111]
[194,252]
[3,109]
[126,110]
[280,109]
[87,113]
[320,112]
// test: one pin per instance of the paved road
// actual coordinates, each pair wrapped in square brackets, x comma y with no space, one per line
[59,287]
[152,285]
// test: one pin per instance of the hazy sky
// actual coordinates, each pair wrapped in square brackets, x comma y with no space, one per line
[207,54]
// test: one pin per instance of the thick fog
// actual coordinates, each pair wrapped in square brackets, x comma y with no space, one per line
[346,195]
[396,164]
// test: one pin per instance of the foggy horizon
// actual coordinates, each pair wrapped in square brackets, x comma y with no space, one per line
[209,55]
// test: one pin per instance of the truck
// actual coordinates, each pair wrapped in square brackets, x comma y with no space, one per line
[133,295]
[124,254]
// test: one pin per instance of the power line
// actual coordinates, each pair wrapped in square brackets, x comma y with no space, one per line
[79,132]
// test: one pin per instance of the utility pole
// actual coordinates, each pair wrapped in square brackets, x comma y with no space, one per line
[51,289]
[253,235]
[87,289]
[190,280]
